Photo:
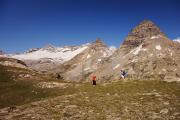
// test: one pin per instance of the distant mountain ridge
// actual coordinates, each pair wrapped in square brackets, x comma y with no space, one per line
[56,53]
[87,62]
[146,53]
[48,57]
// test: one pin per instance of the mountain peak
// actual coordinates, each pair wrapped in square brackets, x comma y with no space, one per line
[49,47]
[32,50]
[146,22]
[98,43]
[144,30]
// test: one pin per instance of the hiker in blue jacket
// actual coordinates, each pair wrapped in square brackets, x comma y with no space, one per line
[123,74]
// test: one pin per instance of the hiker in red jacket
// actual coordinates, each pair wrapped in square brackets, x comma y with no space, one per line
[94,79]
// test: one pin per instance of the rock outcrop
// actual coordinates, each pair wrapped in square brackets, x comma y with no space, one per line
[146,53]
[5,61]
[146,29]
[85,63]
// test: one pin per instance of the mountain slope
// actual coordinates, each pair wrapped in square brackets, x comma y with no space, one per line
[6,61]
[146,53]
[46,58]
[86,62]
[56,53]
[64,59]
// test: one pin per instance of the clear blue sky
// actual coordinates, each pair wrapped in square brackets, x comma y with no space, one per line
[28,24]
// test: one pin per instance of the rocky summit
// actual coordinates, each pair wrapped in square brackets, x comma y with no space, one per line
[145,30]
[146,53]
[85,63]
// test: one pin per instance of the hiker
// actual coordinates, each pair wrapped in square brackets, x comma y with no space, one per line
[58,76]
[123,74]
[94,80]
[11,109]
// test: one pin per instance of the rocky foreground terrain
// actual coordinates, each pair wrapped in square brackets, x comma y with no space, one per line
[26,94]
[118,100]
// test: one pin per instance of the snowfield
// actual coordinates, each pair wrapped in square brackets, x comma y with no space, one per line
[57,54]
[158,47]
[64,54]
[155,37]
[115,67]
[88,56]
[177,40]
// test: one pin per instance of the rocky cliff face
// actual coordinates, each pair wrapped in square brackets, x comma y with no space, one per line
[145,30]
[146,53]
[85,63]
[5,61]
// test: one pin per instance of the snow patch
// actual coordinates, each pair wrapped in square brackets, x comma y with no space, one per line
[171,54]
[144,49]
[177,39]
[112,48]
[85,69]
[108,52]
[116,66]
[158,47]
[105,54]
[99,60]
[136,50]
[88,56]
[155,37]
[64,54]
[134,60]
[164,70]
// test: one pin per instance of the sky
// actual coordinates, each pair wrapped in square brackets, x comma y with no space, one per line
[26,24]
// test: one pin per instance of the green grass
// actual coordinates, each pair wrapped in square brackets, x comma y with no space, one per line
[17,92]
[127,100]
[131,99]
